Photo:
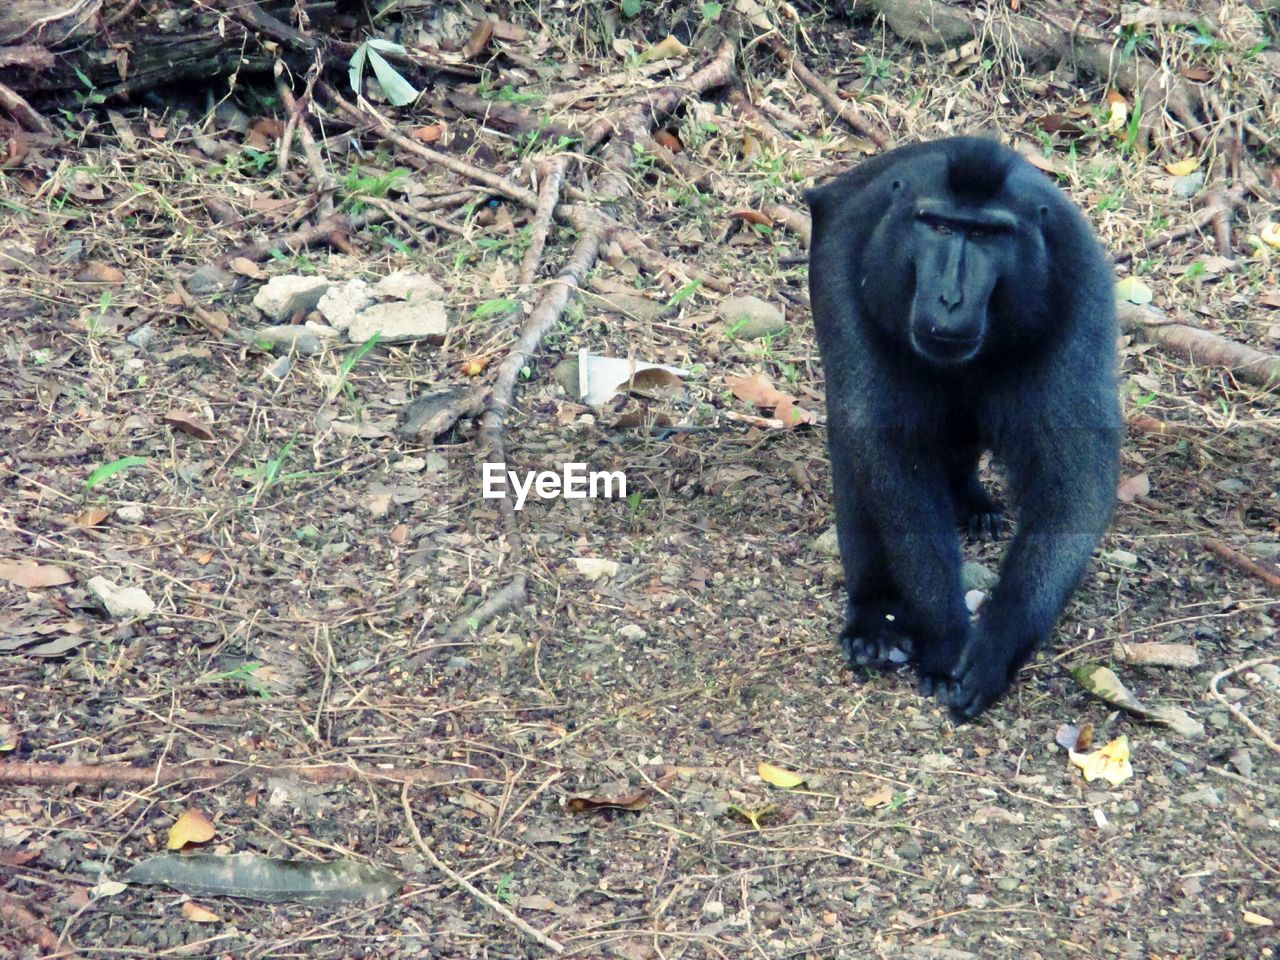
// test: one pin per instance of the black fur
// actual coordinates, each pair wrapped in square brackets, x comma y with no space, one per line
[961,303]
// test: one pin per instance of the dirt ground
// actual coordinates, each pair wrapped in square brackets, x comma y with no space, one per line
[306,561]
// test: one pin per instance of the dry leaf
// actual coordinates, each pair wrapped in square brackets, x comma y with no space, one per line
[475,366]
[595,568]
[664,49]
[1270,234]
[752,216]
[198,914]
[192,827]
[792,415]
[95,271]
[189,424]
[1117,112]
[631,800]
[1110,763]
[31,575]
[1256,919]
[778,776]
[246,268]
[91,517]
[757,390]
[1183,167]
[1130,488]
[428,134]
[1133,290]
[881,798]
[481,34]
[669,140]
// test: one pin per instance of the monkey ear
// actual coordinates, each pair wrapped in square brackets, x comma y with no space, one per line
[898,186]
[821,202]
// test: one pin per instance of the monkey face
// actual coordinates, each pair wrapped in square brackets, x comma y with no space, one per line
[960,252]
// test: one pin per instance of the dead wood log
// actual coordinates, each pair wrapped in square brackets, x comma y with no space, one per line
[47,45]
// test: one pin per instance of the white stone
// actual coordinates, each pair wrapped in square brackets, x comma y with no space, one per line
[407,285]
[281,297]
[123,602]
[342,302]
[399,322]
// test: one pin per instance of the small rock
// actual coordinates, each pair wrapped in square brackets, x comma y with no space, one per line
[281,297]
[1189,185]
[124,602]
[1121,558]
[1263,550]
[409,465]
[130,513]
[910,850]
[400,321]
[750,318]
[142,337]
[1233,487]
[407,285]
[713,909]
[457,665]
[341,303]
[633,632]
[1008,884]
[299,340]
[278,369]
[629,304]
[565,373]
[1269,672]
[973,600]
[436,463]
[1205,796]
[211,278]
[977,576]
[827,543]
[321,330]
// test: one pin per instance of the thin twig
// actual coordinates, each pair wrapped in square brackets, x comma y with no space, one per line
[1236,712]
[476,893]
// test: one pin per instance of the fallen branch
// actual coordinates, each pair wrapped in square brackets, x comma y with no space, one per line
[325,181]
[113,774]
[552,176]
[26,115]
[1238,559]
[508,598]
[333,231]
[1201,346]
[843,109]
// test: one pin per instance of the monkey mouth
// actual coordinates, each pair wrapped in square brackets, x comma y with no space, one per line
[944,348]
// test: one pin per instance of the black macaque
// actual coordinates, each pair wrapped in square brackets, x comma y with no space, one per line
[962,304]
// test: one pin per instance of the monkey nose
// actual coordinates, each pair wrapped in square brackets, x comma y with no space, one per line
[950,298]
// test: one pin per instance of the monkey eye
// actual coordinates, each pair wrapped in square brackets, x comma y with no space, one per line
[977,233]
[940,228]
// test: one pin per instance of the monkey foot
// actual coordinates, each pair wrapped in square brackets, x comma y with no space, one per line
[986,525]
[969,688]
[876,645]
